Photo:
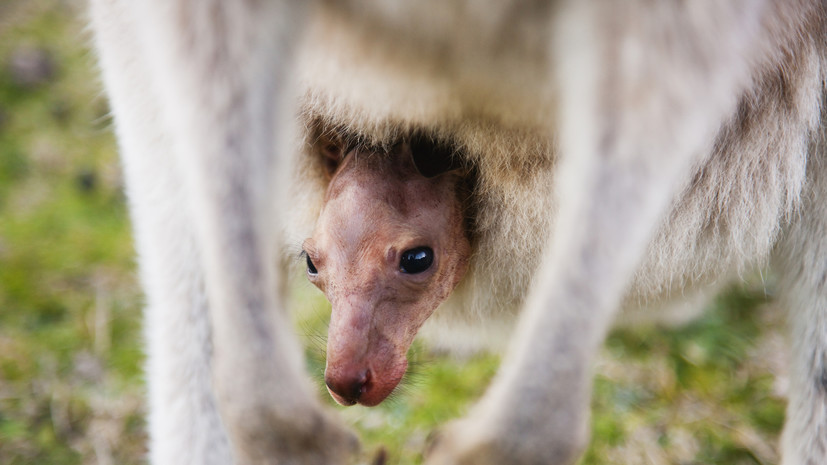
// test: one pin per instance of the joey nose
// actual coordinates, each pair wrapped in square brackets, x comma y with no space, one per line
[348,388]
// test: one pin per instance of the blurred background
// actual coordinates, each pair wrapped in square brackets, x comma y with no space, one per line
[71,385]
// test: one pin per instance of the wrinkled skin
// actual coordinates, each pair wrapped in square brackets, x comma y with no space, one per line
[377,206]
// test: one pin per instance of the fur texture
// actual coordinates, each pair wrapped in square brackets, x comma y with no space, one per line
[741,191]
[624,155]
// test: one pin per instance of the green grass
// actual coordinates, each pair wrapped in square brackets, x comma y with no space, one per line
[70,382]
[71,388]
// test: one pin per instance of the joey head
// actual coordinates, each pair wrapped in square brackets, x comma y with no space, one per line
[389,246]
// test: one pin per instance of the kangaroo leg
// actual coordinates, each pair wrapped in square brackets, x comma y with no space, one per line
[219,72]
[801,259]
[184,426]
[636,110]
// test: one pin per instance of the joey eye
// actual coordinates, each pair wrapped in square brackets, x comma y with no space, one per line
[311,269]
[416,260]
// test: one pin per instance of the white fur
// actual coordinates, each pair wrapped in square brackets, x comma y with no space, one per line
[627,154]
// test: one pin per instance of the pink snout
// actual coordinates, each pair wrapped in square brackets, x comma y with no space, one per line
[348,387]
[361,385]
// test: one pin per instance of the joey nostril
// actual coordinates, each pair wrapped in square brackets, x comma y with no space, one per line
[349,388]
[365,382]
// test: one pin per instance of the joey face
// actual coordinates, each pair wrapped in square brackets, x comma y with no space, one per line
[389,246]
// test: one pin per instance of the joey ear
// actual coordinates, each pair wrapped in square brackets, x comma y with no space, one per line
[432,158]
[332,151]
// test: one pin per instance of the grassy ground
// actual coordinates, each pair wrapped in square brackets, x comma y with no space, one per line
[71,389]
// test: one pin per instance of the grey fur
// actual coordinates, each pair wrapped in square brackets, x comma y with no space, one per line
[626,153]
